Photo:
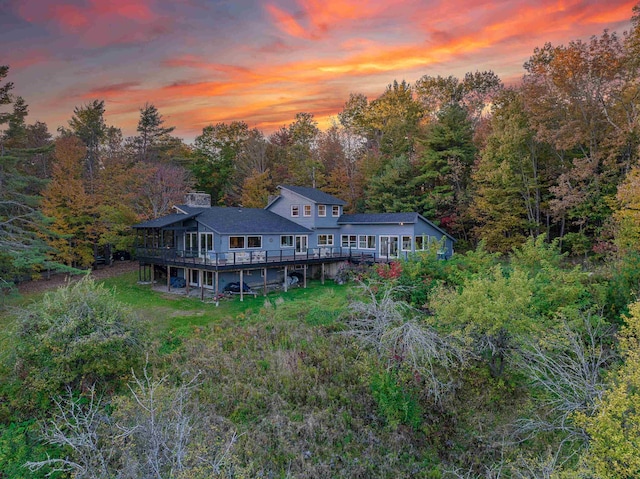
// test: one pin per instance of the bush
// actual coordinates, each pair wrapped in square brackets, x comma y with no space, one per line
[74,337]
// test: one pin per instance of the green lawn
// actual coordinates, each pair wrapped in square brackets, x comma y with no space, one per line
[170,314]
[317,304]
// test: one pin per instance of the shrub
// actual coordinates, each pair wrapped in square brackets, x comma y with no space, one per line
[74,337]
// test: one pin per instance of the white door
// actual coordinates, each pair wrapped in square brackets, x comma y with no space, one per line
[206,244]
[389,246]
[301,244]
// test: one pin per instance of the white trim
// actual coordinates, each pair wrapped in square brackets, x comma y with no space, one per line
[245,242]
[348,243]
[333,210]
[328,238]
[306,208]
[287,245]
[254,236]
[366,242]
[402,237]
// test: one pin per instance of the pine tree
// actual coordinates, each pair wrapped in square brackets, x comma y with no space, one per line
[152,135]
[22,225]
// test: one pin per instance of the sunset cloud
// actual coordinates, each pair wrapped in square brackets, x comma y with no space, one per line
[263,61]
[97,23]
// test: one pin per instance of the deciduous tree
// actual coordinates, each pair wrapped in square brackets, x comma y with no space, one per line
[215,153]
[71,208]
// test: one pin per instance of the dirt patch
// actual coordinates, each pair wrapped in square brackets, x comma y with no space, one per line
[103,272]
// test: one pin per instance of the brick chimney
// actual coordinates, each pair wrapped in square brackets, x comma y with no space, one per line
[199,199]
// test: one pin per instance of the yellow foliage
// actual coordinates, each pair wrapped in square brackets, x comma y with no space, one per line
[614,448]
[627,216]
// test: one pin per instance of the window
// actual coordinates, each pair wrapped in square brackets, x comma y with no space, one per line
[254,241]
[322,210]
[295,211]
[195,277]
[307,210]
[286,241]
[422,243]
[348,241]
[206,243]
[406,243]
[335,210]
[367,242]
[208,279]
[191,242]
[325,240]
[236,242]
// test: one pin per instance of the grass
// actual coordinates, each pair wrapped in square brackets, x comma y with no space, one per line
[305,401]
[318,304]
[174,317]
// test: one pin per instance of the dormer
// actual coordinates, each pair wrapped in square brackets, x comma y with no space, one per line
[308,207]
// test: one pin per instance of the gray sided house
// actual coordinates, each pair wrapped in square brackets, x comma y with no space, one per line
[301,232]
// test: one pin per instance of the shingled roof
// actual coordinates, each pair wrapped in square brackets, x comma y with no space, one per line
[378,218]
[165,220]
[387,218]
[227,220]
[315,195]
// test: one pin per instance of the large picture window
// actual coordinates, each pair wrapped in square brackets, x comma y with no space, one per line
[366,242]
[325,240]
[348,241]
[236,242]
[286,241]
[254,241]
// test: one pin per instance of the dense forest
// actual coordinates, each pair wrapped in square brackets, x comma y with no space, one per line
[517,358]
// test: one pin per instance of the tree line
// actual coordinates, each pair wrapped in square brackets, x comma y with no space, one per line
[555,154]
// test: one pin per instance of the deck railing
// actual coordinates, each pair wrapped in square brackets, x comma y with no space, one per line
[246,258]
[242,258]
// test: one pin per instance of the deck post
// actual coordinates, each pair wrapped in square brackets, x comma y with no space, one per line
[286,282]
[168,278]
[187,273]
[264,290]
[304,276]
[201,276]
[241,286]
[322,274]
[152,273]
[217,283]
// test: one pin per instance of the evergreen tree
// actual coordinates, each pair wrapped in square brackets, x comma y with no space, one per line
[447,155]
[22,225]
[394,189]
[89,125]
[152,135]
[507,204]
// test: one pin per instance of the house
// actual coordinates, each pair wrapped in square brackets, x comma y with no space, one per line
[301,232]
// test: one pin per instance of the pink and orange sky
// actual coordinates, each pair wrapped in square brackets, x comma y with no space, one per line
[262,61]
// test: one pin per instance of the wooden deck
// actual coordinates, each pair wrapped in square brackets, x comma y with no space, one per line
[243,259]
